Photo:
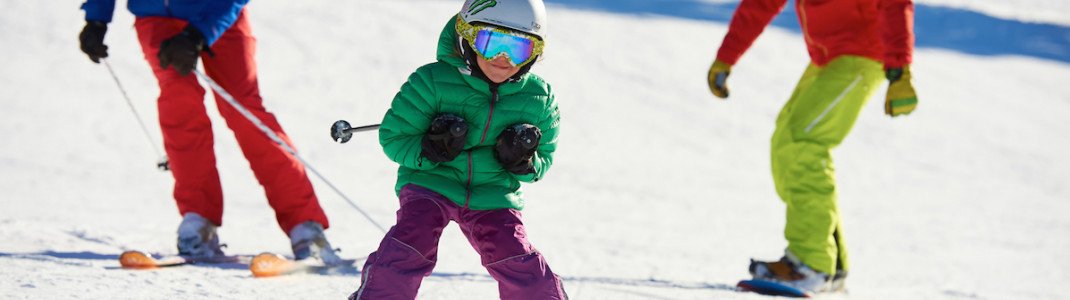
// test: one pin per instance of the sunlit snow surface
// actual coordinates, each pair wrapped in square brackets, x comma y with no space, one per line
[658,191]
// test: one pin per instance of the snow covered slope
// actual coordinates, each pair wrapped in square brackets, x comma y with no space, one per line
[659,191]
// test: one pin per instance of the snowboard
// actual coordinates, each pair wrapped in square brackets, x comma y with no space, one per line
[269,264]
[770,288]
[140,260]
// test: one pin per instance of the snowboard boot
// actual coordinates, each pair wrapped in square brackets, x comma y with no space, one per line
[792,272]
[309,242]
[197,237]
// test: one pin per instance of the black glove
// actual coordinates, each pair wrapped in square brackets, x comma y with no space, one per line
[182,50]
[516,148]
[445,138]
[92,40]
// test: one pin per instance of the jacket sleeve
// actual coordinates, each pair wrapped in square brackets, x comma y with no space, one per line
[216,17]
[99,10]
[897,31]
[407,120]
[749,20]
[544,155]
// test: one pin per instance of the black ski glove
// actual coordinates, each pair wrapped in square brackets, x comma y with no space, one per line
[181,51]
[445,138]
[92,40]
[516,148]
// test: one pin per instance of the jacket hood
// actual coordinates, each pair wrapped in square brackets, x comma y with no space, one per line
[447,46]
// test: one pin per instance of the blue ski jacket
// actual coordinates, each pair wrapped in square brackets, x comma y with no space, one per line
[211,17]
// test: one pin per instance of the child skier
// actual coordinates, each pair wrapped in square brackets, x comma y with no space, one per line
[466,130]
[850,42]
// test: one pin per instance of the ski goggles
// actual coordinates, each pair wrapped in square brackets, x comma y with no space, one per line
[490,42]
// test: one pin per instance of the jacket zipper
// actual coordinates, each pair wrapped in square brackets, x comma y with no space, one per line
[806,30]
[468,185]
[490,116]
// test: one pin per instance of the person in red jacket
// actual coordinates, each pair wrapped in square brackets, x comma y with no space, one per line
[174,35]
[852,43]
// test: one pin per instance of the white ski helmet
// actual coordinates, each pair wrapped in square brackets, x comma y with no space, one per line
[528,16]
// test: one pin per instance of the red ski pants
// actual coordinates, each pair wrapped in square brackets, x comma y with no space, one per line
[187,131]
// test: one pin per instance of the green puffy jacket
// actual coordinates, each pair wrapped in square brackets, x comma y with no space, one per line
[474,179]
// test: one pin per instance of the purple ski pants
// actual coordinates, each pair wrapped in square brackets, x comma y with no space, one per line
[409,250]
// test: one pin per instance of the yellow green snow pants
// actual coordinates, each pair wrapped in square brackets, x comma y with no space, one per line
[822,110]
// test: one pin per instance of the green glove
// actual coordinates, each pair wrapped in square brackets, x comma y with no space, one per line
[717,78]
[901,99]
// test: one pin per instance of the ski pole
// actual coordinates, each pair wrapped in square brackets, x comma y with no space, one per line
[275,138]
[162,164]
[341,131]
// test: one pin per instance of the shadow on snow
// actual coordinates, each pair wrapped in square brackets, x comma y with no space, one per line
[50,255]
[631,282]
[78,258]
[935,26]
[75,258]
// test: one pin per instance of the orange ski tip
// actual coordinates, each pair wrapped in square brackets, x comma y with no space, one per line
[269,264]
[136,260]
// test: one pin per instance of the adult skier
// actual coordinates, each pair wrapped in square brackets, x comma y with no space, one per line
[466,131]
[173,36]
[852,45]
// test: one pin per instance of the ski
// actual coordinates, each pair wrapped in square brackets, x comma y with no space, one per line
[770,288]
[270,264]
[140,260]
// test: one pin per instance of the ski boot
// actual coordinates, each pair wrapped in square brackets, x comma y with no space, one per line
[309,242]
[197,237]
[790,271]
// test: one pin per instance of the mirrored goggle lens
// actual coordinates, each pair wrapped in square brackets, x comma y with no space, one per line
[491,43]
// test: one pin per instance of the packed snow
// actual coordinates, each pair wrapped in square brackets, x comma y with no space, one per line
[658,191]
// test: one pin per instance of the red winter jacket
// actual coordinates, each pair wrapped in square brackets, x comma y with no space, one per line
[879,29]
